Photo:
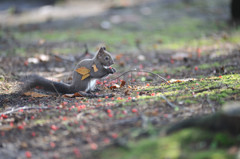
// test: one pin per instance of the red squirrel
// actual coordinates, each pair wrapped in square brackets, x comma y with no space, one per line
[101,61]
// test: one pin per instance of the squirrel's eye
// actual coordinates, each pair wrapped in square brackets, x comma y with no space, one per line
[107,58]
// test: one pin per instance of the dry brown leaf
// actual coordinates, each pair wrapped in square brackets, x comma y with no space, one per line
[6,127]
[181,80]
[85,76]
[82,71]
[72,95]
[114,86]
[119,56]
[95,69]
[127,92]
[35,94]
[122,83]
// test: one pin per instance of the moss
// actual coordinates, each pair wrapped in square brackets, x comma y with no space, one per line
[191,92]
[190,101]
[187,144]
[207,66]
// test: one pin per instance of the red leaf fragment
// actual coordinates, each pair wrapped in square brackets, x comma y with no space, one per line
[81,127]
[199,51]
[54,127]
[109,111]
[4,116]
[28,154]
[33,134]
[52,144]
[110,115]
[77,152]
[11,124]
[124,112]
[93,146]
[114,135]
[106,140]
[20,127]
[134,110]
[2,133]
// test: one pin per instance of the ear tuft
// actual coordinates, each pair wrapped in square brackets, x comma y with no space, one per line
[101,51]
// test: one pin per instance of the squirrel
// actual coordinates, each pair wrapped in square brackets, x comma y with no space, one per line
[97,67]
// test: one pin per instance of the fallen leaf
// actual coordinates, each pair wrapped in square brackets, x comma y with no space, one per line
[6,127]
[72,95]
[122,83]
[114,86]
[181,80]
[95,69]
[43,58]
[82,70]
[127,92]
[35,94]
[85,76]
[119,56]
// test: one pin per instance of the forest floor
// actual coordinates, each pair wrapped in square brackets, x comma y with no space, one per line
[190,44]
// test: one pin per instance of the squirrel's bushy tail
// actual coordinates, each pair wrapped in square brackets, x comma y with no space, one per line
[35,81]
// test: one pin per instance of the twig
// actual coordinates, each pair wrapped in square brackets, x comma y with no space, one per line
[22,108]
[135,70]
[207,89]
[210,104]
[169,103]
[126,121]
[89,95]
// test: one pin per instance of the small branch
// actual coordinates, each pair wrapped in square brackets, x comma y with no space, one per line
[89,95]
[22,108]
[210,104]
[207,89]
[135,70]
[169,103]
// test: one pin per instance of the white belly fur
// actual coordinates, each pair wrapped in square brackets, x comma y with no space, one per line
[91,85]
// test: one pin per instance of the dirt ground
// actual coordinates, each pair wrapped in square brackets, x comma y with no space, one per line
[201,76]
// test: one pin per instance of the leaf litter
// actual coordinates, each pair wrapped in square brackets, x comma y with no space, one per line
[97,120]
[55,127]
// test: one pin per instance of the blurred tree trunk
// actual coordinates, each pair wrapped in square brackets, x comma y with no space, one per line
[235,10]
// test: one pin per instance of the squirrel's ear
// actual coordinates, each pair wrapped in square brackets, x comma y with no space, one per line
[101,51]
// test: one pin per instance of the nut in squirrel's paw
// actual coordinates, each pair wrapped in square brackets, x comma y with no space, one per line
[111,70]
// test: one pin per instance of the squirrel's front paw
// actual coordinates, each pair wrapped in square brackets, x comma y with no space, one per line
[112,70]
